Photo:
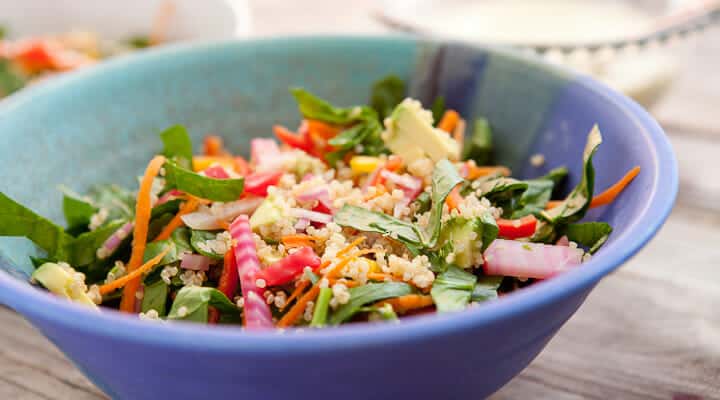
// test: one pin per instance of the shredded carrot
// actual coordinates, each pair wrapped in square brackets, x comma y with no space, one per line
[345,282]
[134,275]
[394,163]
[379,191]
[454,198]
[323,129]
[213,146]
[381,276]
[449,121]
[161,23]
[143,209]
[459,133]
[241,166]
[609,195]
[613,191]
[349,247]
[186,208]
[407,302]
[294,313]
[298,240]
[298,290]
[223,224]
[475,172]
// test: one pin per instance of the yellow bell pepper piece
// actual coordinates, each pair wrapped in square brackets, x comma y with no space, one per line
[363,164]
[201,163]
[374,267]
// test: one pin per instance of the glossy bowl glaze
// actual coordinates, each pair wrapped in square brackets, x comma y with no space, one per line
[101,125]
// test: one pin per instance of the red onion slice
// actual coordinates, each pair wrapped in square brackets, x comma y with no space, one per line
[195,262]
[311,215]
[114,241]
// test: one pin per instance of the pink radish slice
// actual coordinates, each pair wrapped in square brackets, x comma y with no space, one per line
[256,310]
[411,185]
[114,241]
[529,260]
[302,224]
[312,216]
[195,262]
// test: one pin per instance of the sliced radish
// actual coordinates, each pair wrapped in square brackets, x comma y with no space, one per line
[195,262]
[529,260]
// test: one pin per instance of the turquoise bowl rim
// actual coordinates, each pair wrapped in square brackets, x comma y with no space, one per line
[40,305]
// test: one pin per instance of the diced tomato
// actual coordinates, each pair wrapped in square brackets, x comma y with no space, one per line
[290,267]
[517,228]
[34,56]
[217,172]
[294,140]
[258,182]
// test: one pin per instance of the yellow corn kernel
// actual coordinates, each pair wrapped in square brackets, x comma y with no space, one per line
[363,164]
[374,267]
[201,163]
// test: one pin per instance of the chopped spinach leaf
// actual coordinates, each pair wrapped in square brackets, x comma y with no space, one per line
[82,250]
[366,294]
[486,288]
[445,177]
[591,235]
[155,298]
[453,289]
[179,242]
[480,147]
[77,210]
[438,109]
[386,94]
[370,221]
[195,300]
[11,80]
[201,186]
[138,41]
[198,238]
[177,145]
[534,198]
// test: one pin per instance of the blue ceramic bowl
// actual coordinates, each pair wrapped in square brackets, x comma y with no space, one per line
[101,125]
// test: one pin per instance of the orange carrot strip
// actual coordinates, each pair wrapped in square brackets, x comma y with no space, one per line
[294,313]
[454,198]
[407,302]
[298,240]
[449,121]
[379,191]
[298,290]
[459,132]
[213,146]
[186,208]
[394,163]
[381,276]
[609,195]
[143,209]
[475,172]
[613,191]
[323,129]
[349,247]
[134,275]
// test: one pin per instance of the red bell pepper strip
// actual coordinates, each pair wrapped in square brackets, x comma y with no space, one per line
[241,166]
[257,183]
[257,314]
[516,228]
[294,140]
[227,283]
[216,172]
[290,267]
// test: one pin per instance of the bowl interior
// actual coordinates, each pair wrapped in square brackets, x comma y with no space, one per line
[101,125]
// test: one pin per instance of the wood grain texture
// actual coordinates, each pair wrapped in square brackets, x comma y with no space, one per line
[649,331]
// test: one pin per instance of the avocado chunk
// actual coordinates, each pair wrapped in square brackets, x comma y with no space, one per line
[269,212]
[411,135]
[59,280]
[468,236]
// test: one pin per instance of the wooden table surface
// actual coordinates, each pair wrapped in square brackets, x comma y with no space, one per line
[651,330]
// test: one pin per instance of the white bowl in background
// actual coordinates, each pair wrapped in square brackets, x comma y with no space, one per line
[116,20]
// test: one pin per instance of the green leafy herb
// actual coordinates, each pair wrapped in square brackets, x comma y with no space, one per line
[453,289]
[557,175]
[370,293]
[201,186]
[195,300]
[3,32]
[386,94]
[17,220]
[445,177]
[384,312]
[534,199]
[486,288]
[155,297]
[422,203]
[139,41]
[574,207]
[591,235]
[370,221]
[177,145]
[77,210]
[321,308]
[117,201]
[179,243]
[198,238]
[11,80]
[82,250]
[169,207]
[480,147]
[438,109]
